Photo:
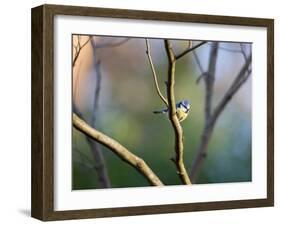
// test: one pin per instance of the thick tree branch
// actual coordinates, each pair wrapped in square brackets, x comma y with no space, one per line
[188,50]
[122,152]
[148,52]
[179,148]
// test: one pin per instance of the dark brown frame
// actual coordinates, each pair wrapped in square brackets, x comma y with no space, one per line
[42,203]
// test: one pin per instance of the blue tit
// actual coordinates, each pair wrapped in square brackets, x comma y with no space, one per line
[183,108]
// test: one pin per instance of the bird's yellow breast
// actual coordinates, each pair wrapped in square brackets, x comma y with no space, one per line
[181,115]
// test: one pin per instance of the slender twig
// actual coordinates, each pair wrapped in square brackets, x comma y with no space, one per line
[244,55]
[179,148]
[243,51]
[190,43]
[189,50]
[97,90]
[240,79]
[78,49]
[148,52]
[197,60]
[122,152]
[84,158]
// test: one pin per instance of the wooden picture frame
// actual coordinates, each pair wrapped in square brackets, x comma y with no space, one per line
[43,112]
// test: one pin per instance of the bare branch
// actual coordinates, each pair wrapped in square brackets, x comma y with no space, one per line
[76,82]
[97,65]
[179,148]
[209,77]
[99,161]
[97,91]
[201,152]
[197,60]
[148,52]
[230,50]
[81,47]
[210,80]
[78,42]
[78,49]
[188,50]
[240,79]
[122,152]
[244,55]
[243,51]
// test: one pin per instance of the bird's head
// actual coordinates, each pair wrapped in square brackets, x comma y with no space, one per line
[185,104]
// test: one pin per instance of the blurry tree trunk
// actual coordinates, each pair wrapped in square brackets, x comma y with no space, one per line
[211,115]
[99,161]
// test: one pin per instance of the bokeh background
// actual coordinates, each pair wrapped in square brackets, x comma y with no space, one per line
[128,98]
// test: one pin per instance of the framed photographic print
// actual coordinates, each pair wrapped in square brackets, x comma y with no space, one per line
[141,112]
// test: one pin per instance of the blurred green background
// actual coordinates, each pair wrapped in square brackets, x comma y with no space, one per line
[128,98]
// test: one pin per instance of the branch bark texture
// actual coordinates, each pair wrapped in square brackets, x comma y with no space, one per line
[179,148]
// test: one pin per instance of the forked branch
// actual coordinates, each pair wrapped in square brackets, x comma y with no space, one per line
[240,79]
[211,116]
[179,148]
[78,49]
[189,49]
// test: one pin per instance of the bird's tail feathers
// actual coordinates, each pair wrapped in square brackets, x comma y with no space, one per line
[160,112]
